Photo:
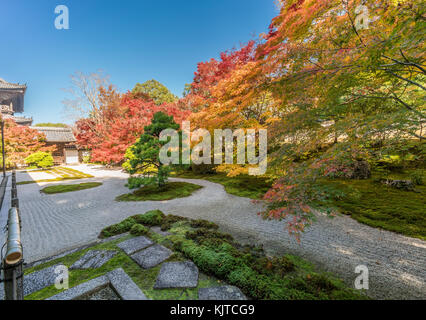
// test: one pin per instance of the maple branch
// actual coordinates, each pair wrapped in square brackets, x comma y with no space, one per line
[408,63]
[405,79]
[352,22]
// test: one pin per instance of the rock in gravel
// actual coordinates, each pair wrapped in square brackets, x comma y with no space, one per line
[94,259]
[135,244]
[177,275]
[221,293]
[152,256]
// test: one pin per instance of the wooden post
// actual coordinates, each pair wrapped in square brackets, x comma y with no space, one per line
[13,281]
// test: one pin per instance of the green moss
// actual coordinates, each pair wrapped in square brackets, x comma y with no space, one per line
[171,190]
[381,206]
[200,223]
[258,276]
[119,228]
[144,278]
[170,220]
[206,235]
[70,187]
[220,258]
[151,218]
[139,230]
[252,187]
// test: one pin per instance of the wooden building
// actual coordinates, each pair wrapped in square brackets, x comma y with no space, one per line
[66,149]
[12,101]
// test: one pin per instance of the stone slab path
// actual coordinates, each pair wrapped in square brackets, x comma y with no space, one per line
[135,244]
[53,223]
[177,275]
[118,279]
[93,259]
[152,256]
[221,293]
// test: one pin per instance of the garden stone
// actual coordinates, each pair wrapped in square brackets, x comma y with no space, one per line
[83,289]
[124,285]
[221,293]
[117,280]
[94,259]
[36,281]
[135,244]
[152,256]
[406,185]
[177,275]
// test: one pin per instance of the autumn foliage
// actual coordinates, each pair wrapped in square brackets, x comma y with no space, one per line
[22,141]
[337,83]
[120,122]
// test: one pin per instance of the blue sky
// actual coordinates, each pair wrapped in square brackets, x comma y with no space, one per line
[132,41]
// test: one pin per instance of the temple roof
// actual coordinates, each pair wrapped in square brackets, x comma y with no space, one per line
[12,93]
[11,86]
[56,134]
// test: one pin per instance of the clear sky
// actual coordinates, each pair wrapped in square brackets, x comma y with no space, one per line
[131,41]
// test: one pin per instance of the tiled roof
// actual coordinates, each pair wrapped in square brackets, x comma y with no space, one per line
[10,86]
[54,134]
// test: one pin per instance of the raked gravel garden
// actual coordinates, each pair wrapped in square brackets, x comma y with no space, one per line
[59,222]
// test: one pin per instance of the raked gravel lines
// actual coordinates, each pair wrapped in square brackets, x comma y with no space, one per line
[53,223]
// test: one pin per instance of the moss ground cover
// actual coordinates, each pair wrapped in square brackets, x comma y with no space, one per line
[171,190]
[218,255]
[252,187]
[367,201]
[145,279]
[70,187]
[381,206]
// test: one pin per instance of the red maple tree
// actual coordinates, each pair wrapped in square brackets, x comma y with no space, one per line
[122,121]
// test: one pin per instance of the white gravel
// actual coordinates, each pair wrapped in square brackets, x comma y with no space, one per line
[53,223]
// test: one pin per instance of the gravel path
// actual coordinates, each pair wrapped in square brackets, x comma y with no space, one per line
[52,223]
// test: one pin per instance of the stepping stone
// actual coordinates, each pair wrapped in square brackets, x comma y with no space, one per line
[177,275]
[160,232]
[125,287]
[221,293]
[152,256]
[94,259]
[36,281]
[135,244]
[117,280]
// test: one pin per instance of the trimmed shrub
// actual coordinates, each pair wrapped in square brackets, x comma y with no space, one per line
[40,160]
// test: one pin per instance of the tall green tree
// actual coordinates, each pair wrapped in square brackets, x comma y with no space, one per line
[144,156]
[156,91]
